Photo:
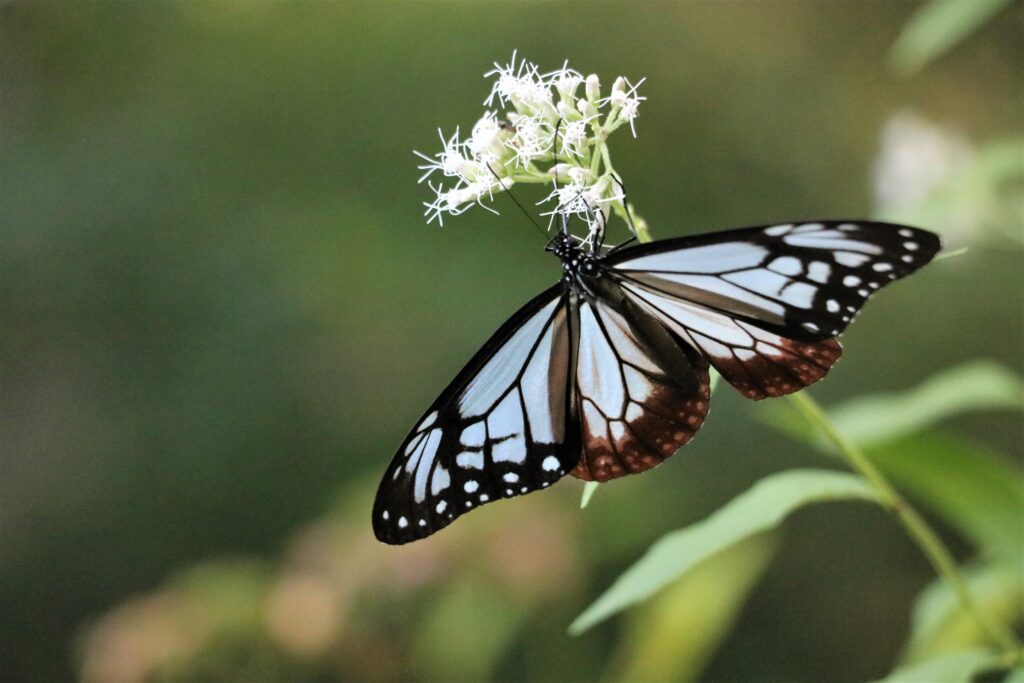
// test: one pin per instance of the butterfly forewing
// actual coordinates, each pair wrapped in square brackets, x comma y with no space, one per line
[800,280]
[502,428]
[764,304]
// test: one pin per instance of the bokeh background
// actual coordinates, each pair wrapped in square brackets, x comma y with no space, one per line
[222,309]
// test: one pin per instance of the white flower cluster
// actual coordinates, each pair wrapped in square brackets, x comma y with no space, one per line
[553,130]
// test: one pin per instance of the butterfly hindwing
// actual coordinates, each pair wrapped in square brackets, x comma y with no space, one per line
[504,427]
[640,397]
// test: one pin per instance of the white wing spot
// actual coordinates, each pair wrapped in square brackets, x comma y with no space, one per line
[525,489]
[777,230]
[906,233]
[863,292]
[907,258]
[851,280]
[819,272]
[423,522]
[550,464]
[850,258]
[440,482]
[881,267]
[402,522]
[786,265]
[474,435]
[832,305]
[470,486]
[466,460]
[910,246]
[441,506]
[810,327]
[385,515]
[809,227]
[427,421]
[484,498]
[509,492]
[511,477]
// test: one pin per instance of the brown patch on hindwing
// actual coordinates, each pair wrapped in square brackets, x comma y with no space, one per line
[776,366]
[660,417]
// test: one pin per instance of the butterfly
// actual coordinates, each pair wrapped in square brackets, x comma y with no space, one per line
[606,373]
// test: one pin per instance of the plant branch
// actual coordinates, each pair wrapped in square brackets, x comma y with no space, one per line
[920,532]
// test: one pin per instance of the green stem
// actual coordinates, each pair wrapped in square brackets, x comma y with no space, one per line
[921,533]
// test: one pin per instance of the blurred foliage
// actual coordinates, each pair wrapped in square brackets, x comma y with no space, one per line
[937,27]
[973,489]
[876,419]
[959,667]
[691,616]
[222,309]
[939,626]
[754,512]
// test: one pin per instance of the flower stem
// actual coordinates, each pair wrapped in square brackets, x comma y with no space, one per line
[920,532]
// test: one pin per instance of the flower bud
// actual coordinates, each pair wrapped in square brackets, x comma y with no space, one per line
[593,88]
[587,108]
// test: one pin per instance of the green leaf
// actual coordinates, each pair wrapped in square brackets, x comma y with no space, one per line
[936,28]
[972,488]
[672,638]
[1016,675]
[959,667]
[939,625]
[878,418]
[758,509]
[969,486]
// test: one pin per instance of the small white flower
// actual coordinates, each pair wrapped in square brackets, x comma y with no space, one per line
[626,100]
[531,140]
[485,143]
[573,137]
[449,161]
[521,85]
[566,81]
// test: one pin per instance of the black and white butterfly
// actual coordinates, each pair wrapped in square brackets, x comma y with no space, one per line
[606,373]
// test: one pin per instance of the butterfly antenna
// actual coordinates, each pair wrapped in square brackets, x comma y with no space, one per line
[508,191]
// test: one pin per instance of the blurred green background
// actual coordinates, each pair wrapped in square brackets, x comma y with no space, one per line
[222,309]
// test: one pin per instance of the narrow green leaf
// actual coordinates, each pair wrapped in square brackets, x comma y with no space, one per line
[878,418]
[943,255]
[969,486]
[981,385]
[939,625]
[760,508]
[672,638]
[936,28]
[959,667]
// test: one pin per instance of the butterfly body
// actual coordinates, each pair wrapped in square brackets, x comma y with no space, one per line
[606,373]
